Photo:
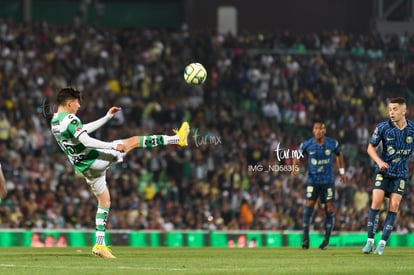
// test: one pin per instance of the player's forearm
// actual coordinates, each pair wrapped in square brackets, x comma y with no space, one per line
[88,141]
[341,164]
[94,125]
[3,188]
[373,153]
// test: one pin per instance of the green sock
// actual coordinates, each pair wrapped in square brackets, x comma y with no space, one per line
[157,140]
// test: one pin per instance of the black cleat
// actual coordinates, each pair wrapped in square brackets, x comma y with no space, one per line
[305,244]
[324,245]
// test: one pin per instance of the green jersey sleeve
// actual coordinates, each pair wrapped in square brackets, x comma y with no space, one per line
[75,126]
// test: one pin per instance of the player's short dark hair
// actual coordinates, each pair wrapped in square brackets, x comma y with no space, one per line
[398,100]
[68,93]
[318,121]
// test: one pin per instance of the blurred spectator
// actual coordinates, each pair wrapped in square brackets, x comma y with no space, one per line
[246,215]
[361,199]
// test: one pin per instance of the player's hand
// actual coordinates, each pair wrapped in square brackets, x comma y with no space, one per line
[121,147]
[383,165]
[114,110]
[294,173]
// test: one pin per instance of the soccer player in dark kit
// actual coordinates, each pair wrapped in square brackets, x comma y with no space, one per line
[391,170]
[321,152]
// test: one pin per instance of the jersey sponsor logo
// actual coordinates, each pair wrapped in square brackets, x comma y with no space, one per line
[409,139]
[389,139]
[377,183]
[320,161]
[312,153]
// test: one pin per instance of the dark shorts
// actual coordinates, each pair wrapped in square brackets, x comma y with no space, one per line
[325,192]
[389,184]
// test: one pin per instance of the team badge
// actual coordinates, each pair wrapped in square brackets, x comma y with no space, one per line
[377,183]
[314,161]
[409,139]
[327,152]
[391,150]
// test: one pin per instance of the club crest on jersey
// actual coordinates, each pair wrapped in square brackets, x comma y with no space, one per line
[409,139]
[327,152]
[391,150]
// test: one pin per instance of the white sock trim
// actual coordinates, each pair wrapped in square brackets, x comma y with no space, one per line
[171,139]
[100,237]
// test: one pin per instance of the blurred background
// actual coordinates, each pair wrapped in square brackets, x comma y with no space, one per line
[273,67]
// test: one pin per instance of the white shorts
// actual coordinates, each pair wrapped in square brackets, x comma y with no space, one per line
[95,175]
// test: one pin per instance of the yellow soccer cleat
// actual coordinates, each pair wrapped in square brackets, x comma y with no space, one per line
[102,251]
[182,133]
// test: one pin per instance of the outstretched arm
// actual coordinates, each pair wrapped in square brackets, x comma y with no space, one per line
[94,125]
[88,141]
[3,188]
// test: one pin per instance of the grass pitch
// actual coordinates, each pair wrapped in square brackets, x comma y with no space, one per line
[135,260]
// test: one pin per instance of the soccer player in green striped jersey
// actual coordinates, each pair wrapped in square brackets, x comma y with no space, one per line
[92,157]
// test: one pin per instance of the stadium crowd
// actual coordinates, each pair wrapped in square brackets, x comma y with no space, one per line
[262,93]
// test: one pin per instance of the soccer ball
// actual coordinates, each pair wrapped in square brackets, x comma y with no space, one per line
[195,74]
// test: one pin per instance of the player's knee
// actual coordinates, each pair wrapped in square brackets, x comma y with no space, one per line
[394,207]
[330,209]
[310,203]
[104,199]
[376,204]
[105,203]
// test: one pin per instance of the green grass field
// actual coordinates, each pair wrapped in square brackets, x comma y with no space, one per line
[134,260]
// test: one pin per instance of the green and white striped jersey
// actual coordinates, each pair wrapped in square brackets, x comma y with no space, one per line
[66,129]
